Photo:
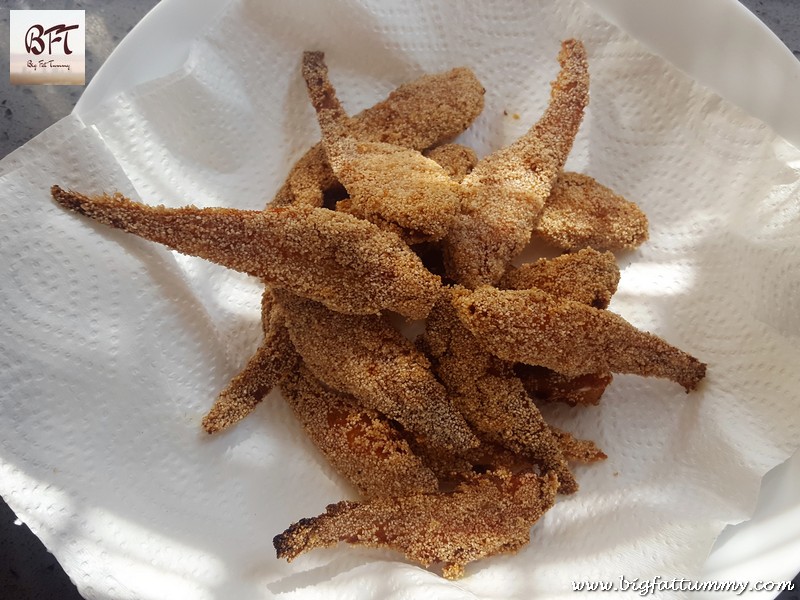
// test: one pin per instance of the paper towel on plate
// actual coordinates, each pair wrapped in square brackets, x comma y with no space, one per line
[119,346]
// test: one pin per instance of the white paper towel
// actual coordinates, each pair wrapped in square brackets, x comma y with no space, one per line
[116,347]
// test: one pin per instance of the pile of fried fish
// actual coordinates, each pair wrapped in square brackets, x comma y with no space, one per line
[442,435]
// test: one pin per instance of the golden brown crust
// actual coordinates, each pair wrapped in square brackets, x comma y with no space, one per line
[458,359]
[274,358]
[588,276]
[581,213]
[366,396]
[347,264]
[533,327]
[505,192]
[457,160]
[245,390]
[453,468]
[577,450]
[394,187]
[417,115]
[360,444]
[502,412]
[546,386]
[397,189]
[489,395]
[366,357]
[319,87]
[487,515]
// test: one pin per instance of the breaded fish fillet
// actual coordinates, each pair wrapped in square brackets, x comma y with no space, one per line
[587,276]
[455,159]
[396,188]
[581,213]
[347,264]
[546,385]
[536,328]
[507,190]
[578,213]
[489,395]
[452,469]
[361,444]
[274,358]
[366,357]
[487,515]
[417,115]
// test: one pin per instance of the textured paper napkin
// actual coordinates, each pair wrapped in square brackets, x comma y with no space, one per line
[114,347]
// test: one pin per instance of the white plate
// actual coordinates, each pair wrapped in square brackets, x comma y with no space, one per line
[757,72]
[165,32]
[738,57]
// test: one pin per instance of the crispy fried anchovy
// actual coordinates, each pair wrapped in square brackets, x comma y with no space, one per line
[361,444]
[487,515]
[506,191]
[417,115]
[533,327]
[347,264]
[582,213]
[395,187]
[366,357]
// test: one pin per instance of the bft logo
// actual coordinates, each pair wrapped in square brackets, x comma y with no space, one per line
[47,47]
[34,40]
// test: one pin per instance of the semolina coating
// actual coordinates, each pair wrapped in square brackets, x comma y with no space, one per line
[274,358]
[244,392]
[536,328]
[501,412]
[443,438]
[347,264]
[582,213]
[423,113]
[506,191]
[457,160]
[366,357]
[547,386]
[489,514]
[576,449]
[361,444]
[587,276]
[452,469]
[489,395]
[392,186]
[397,189]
